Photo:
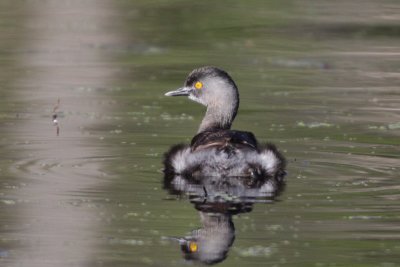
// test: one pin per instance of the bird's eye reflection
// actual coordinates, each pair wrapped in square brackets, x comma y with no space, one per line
[189,247]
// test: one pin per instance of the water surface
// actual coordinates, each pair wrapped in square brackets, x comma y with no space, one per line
[318,78]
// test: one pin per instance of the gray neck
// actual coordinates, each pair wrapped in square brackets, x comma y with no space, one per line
[219,116]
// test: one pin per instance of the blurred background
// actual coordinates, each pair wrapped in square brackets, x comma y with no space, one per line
[318,78]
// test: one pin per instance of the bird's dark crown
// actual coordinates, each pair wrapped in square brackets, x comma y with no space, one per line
[208,72]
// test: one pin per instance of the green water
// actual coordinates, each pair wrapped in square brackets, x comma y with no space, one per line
[320,79]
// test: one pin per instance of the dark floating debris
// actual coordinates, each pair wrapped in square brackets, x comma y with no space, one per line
[55,117]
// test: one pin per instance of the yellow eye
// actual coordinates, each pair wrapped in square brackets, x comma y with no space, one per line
[193,246]
[198,85]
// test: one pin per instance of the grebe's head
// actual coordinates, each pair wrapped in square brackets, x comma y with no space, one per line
[211,87]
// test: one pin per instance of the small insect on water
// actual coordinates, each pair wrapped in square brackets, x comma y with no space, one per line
[55,117]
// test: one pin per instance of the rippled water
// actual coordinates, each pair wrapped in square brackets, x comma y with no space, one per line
[318,78]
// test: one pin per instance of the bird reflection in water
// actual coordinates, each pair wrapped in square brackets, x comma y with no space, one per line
[223,172]
[217,197]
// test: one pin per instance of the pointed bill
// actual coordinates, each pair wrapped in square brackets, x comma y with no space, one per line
[183,91]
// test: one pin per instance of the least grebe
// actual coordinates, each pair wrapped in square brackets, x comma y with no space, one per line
[216,150]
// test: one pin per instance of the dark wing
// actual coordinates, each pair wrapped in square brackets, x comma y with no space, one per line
[223,138]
